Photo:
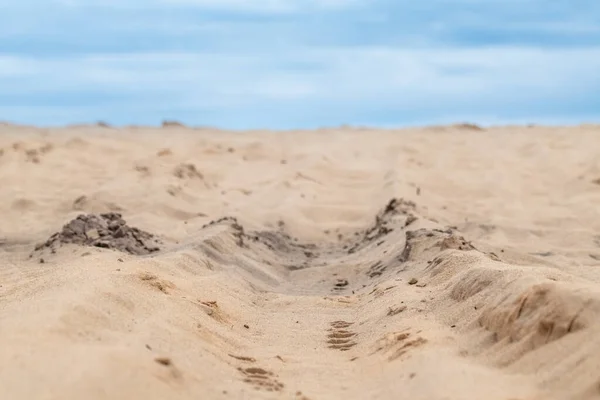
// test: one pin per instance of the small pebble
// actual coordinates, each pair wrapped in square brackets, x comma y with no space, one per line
[166,361]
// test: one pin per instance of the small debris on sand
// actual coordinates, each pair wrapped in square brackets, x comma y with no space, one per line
[166,361]
[187,171]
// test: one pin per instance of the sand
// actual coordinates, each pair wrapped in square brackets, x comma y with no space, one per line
[179,263]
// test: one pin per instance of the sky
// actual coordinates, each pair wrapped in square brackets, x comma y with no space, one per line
[293,64]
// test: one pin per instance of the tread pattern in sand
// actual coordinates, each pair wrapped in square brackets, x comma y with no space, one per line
[340,337]
[261,379]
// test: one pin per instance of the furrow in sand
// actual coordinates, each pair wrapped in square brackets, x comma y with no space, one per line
[402,306]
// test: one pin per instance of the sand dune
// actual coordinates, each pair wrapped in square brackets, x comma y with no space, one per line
[436,263]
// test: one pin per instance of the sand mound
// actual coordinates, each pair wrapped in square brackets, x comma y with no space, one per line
[468,126]
[108,231]
[172,124]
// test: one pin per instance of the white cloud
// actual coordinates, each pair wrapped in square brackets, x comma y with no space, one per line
[384,75]
[351,69]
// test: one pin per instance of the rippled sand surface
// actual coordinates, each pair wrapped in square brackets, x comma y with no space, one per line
[435,263]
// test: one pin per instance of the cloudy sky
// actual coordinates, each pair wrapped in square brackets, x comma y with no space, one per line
[246,64]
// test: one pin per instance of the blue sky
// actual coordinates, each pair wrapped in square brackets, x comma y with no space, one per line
[285,64]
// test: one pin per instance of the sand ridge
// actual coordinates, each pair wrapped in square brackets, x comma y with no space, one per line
[430,264]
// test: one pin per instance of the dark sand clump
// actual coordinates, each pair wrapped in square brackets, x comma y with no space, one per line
[108,231]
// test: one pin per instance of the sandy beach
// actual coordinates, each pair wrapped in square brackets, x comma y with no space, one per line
[450,262]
